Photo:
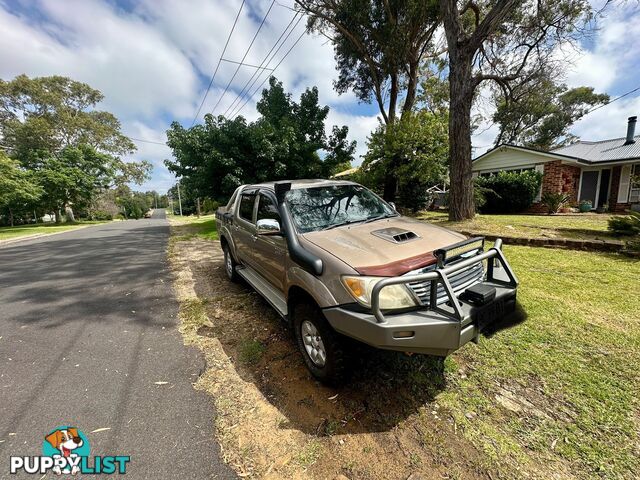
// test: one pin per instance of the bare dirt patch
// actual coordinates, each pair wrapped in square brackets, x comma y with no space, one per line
[275,421]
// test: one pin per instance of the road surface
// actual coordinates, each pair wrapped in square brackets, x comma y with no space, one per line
[88,325]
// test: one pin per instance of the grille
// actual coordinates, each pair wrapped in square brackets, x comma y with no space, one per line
[458,280]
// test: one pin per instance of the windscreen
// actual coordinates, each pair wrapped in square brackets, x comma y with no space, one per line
[321,208]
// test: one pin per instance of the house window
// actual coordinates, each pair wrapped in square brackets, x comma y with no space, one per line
[634,192]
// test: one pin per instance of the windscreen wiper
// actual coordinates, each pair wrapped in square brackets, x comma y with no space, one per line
[341,224]
[380,217]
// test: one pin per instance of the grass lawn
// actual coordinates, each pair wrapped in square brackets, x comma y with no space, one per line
[7,233]
[192,226]
[558,393]
[583,227]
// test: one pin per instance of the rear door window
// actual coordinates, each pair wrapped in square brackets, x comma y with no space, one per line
[247,201]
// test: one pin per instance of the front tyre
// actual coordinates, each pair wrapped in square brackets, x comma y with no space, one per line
[230,265]
[322,348]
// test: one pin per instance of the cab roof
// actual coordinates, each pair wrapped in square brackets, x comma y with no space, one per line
[301,183]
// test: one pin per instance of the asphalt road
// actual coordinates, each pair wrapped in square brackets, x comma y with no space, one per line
[88,324]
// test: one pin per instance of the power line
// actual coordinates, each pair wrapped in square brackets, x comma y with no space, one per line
[146,141]
[257,73]
[245,55]
[274,69]
[246,64]
[195,117]
[611,101]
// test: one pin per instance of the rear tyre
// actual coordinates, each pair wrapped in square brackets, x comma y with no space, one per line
[322,348]
[230,265]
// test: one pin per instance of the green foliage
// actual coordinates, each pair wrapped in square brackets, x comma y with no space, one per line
[133,204]
[480,195]
[510,192]
[215,158]
[379,46]
[555,201]
[209,206]
[416,149]
[102,215]
[51,113]
[625,225]
[539,113]
[18,191]
[66,147]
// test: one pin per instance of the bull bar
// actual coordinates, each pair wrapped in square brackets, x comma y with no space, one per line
[440,276]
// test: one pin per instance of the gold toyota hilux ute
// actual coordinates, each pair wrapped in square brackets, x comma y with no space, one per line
[335,261]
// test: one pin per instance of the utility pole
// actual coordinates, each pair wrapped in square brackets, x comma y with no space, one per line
[179,200]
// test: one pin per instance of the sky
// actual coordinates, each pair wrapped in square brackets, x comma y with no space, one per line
[153,61]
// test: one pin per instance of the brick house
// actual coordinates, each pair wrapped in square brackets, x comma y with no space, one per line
[602,172]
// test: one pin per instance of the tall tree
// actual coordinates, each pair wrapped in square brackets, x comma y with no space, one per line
[51,126]
[539,114]
[51,113]
[379,47]
[421,140]
[503,41]
[286,141]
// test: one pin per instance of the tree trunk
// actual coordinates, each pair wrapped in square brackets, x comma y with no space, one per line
[69,213]
[461,203]
[198,206]
[58,216]
[11,217]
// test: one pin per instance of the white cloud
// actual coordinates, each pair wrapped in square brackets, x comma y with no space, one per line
[360,127]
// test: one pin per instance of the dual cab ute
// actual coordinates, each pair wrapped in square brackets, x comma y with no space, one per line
[336,260]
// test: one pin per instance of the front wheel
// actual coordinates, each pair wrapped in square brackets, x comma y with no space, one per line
[322,348]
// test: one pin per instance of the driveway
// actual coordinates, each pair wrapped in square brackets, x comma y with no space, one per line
[88,338]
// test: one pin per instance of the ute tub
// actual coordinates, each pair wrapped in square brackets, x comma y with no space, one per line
[435,329]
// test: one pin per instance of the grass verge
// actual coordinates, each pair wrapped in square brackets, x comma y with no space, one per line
[185,228]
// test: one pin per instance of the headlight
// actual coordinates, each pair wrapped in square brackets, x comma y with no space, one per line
[391,297]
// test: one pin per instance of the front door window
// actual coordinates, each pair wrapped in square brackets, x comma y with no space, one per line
[589,188]
[603,191]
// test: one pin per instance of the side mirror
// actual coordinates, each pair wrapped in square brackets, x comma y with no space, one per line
[393,205]
[268,226]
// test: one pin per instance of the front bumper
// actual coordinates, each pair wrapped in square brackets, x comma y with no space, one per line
[437,329]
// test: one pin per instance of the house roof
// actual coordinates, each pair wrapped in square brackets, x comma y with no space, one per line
[587,153]
[602,151]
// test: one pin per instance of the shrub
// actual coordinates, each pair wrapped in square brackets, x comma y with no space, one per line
[209,206]
[555,201]
[101,215]
[625,225]
[509,192]
[480,195]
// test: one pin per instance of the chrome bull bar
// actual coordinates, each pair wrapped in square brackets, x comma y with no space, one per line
[440,276]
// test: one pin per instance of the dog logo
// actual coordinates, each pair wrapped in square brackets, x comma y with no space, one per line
[67,445]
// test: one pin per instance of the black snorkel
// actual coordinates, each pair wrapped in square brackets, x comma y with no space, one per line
[307,260]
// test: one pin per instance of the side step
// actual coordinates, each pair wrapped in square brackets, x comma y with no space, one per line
[264,288]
